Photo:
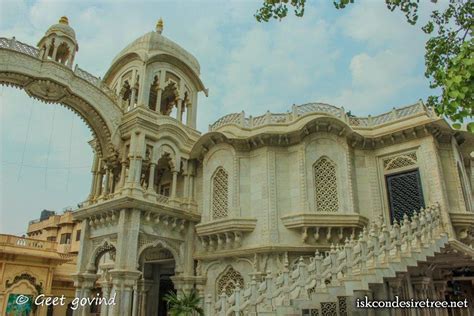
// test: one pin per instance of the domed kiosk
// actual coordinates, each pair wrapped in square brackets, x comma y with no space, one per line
[59,43]
[157,73]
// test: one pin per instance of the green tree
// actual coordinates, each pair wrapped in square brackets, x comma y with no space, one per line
[449,55]
[186,304]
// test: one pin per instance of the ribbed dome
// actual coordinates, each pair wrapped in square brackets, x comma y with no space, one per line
[152,44]
[62,28]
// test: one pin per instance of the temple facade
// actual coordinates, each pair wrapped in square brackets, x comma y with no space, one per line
[296,213]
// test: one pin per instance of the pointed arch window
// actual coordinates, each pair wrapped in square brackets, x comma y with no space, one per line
[228,281]
[220,194]
[325,186]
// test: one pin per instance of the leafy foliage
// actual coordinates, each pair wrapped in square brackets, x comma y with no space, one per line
[186,304]
[449,60]
[278,9]
[449,56]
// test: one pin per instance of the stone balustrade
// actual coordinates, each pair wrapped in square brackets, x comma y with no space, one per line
[15,241]
[298,111]
[378,246]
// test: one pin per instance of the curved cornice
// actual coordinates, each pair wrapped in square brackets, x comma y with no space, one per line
[294,133]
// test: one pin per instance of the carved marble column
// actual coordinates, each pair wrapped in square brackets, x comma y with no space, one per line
[159,92]
[179,112]
[151,178]
[174,183]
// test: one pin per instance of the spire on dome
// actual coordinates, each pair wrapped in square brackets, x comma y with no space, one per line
[64,20]
[159,26]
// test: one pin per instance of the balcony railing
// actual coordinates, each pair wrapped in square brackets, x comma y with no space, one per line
[298,111]
[15,241]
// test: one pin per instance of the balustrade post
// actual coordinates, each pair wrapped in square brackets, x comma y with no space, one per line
[416,228]
[317,269]
[348,247]
[386,242]
[334,266]
[397,242]
[374,238]
[363,250]
[406,228]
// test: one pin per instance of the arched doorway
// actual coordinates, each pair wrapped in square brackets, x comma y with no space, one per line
[158,267]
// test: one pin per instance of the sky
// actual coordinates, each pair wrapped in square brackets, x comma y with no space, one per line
[364,58]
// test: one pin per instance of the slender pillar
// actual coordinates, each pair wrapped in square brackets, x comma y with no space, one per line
[159,92]
[55,51]
[173,184]
[107,181]
[186,187]
[143,303]
[151,178]
[135,302]
[191,188]
[123,173]
[85,309]
[48,47]
[98,184]
[189,109]
[104,308]
[127,300]
[179,112]
[94,176]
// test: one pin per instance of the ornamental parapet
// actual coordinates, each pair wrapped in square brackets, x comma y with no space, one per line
[325,228]
[28,243]
[225,233]
[298,111]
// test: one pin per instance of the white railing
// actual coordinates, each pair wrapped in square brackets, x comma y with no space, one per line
[240,120]
[377,247]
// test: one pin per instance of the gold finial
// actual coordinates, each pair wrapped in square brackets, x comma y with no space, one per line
[64,20]
[159,26]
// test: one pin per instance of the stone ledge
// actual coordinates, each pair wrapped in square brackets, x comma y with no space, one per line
[226,225]
[224,233]
[334,228]
[462,219]
[324,220]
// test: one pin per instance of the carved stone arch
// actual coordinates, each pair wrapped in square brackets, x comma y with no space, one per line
[175,135]
[166,245]
[165,150]
[24,276]
[210,265]
[79,91]
[400,161]
[216,149]
[315,137]
[98,252]
[117,66]
[246,260]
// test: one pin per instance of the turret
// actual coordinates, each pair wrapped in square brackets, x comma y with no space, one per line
[59,43]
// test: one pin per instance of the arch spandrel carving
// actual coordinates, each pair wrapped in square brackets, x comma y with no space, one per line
[51,82]
[146,243]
